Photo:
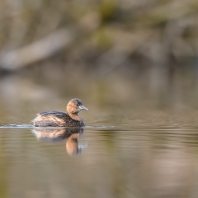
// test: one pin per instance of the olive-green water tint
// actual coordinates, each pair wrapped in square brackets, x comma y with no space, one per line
[113,162]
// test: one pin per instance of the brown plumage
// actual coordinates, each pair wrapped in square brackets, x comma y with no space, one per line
[60,134]
[62,119]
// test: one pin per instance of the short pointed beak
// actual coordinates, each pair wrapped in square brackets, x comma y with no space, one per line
[83,107]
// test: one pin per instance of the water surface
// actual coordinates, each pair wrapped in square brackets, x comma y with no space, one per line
[126,150]
[105,161]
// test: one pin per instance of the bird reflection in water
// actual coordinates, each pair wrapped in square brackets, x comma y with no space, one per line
[60,134]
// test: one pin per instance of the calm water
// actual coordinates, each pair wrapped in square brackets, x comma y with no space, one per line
[98,162]
[124,152]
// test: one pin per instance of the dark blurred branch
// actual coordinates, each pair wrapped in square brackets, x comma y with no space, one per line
[174,22]
[47,46]
[36,51]
[121,51]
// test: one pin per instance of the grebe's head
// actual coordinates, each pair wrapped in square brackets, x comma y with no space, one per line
[75,105]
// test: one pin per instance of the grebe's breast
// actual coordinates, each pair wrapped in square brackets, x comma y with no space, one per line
[56,119]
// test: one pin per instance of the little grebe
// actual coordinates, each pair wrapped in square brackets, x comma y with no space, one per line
[62,119]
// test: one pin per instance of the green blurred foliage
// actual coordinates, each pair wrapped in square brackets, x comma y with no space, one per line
[150,42]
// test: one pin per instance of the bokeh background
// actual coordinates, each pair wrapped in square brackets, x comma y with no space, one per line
[134,65]
[108,53]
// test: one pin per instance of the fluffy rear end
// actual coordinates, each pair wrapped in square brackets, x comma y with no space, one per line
[49,120]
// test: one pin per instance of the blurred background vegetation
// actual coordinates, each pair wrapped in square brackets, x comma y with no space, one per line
[123,53]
